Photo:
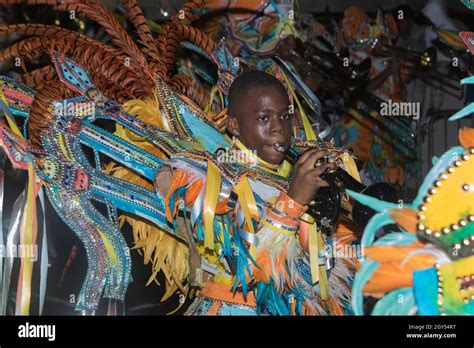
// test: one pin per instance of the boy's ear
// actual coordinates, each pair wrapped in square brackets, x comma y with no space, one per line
[233,126]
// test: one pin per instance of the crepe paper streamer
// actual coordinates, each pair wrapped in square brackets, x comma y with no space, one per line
[249,208]
[309,132]
[10,119]
[44,256]
[308,222]
[351,167]
[213,187]
[323,276]
[12,240]
[27,238]
[396,238]
[375,223]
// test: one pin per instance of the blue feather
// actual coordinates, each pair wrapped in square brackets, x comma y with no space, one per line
[469,109]
[361,278]
[397,302]
[375,223]
[396,238]
[468,80]
[372,202]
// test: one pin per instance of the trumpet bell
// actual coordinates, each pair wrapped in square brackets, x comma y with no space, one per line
[428,58]
[361,214]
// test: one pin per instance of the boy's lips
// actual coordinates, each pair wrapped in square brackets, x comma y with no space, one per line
[279,146]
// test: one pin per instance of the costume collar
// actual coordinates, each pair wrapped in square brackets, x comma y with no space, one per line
[282,169]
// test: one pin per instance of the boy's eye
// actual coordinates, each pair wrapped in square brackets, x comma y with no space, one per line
[263,118]
[286,117]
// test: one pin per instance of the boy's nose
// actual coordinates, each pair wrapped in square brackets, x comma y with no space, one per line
[276,125]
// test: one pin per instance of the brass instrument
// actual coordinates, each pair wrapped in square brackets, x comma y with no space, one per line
[351,82]
[425,59]
[423,65]
[326,208]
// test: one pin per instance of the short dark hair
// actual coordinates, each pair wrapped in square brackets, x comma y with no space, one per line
[247,81]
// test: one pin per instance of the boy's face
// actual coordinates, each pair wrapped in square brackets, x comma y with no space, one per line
[262,119]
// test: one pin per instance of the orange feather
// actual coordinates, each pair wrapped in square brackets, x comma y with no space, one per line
[391,274]
[466,137]
[406,218]
[262,273]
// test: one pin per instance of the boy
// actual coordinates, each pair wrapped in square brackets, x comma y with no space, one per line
[249,251]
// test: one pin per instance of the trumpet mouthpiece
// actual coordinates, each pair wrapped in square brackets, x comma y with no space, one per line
[279,147]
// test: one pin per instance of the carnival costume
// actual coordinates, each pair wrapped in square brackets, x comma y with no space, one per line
[204,221]
[426,268]
[285,256]
[384,161]
[253,28]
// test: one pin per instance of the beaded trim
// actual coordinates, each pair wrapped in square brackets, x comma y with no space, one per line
[466,287]
[440,290]
[436,235]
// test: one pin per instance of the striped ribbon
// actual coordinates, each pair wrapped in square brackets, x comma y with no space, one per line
[249,208]
[316,250]
[28,231]
[44,256]
[12,240]
[211,196]
[8,115]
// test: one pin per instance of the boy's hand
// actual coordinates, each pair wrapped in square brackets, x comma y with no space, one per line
[306,176]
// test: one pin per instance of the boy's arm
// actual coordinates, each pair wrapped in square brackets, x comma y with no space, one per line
[283,215]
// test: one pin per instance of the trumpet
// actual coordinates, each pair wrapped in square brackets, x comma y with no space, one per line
[326,208]
[423,66]
[426,59]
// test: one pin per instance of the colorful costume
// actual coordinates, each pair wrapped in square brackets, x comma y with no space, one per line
[70,155]
[255,26]
[385,161]
[255,240]
[427,267]
[99,137]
